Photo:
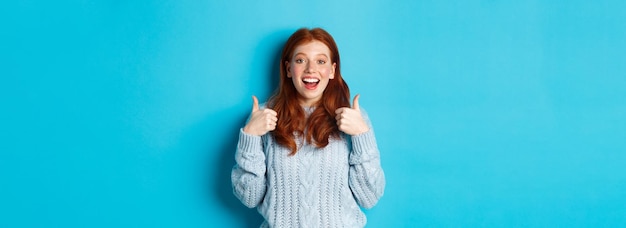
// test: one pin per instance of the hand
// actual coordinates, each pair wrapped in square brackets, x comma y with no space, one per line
[349,120]
[261,120]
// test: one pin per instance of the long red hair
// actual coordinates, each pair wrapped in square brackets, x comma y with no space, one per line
[321,124]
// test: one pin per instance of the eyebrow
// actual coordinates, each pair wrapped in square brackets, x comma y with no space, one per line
[300,53]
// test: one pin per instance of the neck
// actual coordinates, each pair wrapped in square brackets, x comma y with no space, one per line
[308,102]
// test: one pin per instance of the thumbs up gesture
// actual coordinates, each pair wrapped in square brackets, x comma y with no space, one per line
[349,119]
[261,120]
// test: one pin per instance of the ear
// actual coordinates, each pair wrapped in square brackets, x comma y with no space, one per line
[288,69]
[332,72]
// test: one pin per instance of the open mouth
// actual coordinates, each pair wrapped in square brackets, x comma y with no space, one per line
[310,83]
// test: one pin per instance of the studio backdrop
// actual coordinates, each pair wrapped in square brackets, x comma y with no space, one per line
[487,113]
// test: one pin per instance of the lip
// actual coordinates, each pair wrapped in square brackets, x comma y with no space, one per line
[310,86]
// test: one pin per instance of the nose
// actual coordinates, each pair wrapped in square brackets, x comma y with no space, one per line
[310,67]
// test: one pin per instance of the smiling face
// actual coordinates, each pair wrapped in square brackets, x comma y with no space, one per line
[310,69]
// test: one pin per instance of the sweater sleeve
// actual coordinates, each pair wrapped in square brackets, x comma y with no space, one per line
[366,177]
[248,174]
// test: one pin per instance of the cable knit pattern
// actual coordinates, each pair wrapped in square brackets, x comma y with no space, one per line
[317,187]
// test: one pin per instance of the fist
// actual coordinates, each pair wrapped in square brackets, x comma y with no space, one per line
[349,119]
[261,120]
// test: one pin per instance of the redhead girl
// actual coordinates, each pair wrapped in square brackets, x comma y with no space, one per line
[307,158]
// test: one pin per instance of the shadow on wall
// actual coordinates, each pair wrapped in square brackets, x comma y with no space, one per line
[269,48]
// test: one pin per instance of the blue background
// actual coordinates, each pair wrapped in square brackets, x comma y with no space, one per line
[487,113]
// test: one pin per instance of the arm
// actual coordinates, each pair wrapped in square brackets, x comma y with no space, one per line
[366,177]
[248,174]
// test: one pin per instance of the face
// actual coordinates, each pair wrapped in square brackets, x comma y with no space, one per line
[310,69]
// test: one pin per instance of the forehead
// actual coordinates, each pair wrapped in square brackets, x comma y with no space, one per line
[314,47]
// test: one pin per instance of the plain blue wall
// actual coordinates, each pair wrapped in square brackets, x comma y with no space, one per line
[487,113]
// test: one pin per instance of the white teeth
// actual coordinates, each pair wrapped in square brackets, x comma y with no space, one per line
[310,80]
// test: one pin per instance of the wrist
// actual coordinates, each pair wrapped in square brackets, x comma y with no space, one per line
[247,130]
[362,131]
[250,131]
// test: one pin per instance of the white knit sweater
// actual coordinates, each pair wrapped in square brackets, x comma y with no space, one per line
[317,187]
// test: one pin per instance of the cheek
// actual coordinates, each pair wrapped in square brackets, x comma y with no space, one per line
[295,69]
[294,80]
[326,71]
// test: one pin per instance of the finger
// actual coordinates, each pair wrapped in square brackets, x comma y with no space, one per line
[339,111]
[273,119]
[338,114]
[255,103]
[271,125]
[270,111]
[355,103]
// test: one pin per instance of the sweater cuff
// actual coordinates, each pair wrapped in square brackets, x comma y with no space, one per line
[248,142]
[364,143]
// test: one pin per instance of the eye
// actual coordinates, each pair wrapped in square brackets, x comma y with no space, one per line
[321,61]
[299,61]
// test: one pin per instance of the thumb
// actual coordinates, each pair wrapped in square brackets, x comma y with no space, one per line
[255,103]
[355,103]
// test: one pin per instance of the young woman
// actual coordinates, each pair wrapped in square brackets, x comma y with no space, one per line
[308,158]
